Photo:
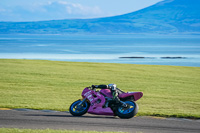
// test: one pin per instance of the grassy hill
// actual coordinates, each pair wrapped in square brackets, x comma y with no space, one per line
[37,84]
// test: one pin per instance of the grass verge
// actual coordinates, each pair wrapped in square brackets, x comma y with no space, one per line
[170,91]
[16,130]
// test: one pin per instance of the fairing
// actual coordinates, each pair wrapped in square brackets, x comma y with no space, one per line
[97,100]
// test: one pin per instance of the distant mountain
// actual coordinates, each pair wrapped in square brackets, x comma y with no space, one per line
[166,17]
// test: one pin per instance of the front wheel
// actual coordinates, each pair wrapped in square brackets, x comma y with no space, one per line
[129,111]
[79,110]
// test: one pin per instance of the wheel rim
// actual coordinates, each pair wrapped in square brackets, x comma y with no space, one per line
[130,108]
[78,109]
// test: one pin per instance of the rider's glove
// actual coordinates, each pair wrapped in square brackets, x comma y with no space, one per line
[94,86]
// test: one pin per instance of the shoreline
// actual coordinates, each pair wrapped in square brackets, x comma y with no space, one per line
[162,62]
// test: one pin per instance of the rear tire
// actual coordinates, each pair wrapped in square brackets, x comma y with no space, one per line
[127,112]
[76,110]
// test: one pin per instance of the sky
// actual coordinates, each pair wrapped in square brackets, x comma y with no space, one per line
[38,10]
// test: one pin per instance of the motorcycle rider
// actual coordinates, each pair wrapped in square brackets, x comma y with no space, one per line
[113,88]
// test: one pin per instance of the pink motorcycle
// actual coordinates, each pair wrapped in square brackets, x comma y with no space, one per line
[102,103]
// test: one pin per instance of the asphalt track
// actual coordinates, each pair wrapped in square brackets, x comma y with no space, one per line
[43,119]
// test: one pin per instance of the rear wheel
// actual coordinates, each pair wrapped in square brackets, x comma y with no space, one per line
[129,111]
[78,110]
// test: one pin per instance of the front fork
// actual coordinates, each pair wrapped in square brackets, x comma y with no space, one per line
[81,102]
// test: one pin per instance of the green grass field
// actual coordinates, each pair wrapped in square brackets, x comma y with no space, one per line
[169,91]
[15,130]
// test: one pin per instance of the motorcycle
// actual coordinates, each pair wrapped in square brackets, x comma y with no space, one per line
[101,103]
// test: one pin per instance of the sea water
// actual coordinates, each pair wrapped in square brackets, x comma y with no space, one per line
[182,50]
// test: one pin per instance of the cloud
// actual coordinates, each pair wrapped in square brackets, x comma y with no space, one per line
[49,11]
[67,8]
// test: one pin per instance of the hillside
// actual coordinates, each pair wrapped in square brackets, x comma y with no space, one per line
[169,16]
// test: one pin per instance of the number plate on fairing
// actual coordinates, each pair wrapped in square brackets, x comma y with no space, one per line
[89,96]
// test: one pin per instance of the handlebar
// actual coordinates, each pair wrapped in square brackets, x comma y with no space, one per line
[100,86]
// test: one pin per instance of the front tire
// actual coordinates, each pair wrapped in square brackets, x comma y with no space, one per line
[129,111]
[79,110]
